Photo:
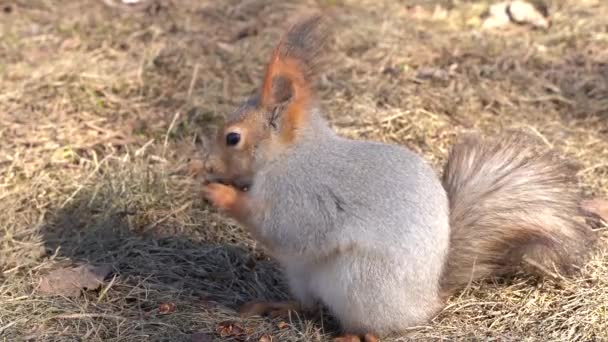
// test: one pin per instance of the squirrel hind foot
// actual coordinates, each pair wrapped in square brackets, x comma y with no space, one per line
[356,338]
[272,309]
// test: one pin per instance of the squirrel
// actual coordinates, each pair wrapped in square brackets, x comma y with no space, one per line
[368,229]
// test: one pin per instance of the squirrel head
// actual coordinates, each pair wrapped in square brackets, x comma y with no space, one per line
[274,119]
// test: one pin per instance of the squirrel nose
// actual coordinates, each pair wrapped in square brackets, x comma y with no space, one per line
[213,166]
[208,167]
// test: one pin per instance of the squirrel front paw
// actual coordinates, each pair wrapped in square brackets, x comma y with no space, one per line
[223,197]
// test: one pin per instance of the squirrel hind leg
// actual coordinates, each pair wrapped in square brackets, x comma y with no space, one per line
[356,338]
[272,309]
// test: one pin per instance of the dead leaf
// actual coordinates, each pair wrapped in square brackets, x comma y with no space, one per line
[519,12]
[230,329]
[596,206]
[533,14]
[265,338]
[283,325]
[439,13]
[200,336]
[166,308]
[70,281]
[497,16]
[417,12]
[71,43]
[245,32]
[426,73]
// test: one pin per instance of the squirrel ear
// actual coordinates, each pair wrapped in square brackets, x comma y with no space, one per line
[282,89]
[282,92]
[286,97]
[285,81]
[286,93]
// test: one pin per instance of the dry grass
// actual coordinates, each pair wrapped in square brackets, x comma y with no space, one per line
[101,107]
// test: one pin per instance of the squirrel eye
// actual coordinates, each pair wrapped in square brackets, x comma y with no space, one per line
[232,138]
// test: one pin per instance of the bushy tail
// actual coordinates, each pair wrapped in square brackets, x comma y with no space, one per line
[510,201]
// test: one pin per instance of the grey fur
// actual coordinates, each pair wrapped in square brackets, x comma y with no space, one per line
[361,226]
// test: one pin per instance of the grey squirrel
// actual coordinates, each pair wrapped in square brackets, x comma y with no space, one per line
[368,229]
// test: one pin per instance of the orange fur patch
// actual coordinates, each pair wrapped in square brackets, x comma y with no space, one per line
[295,112]
[221,196]
[274,309]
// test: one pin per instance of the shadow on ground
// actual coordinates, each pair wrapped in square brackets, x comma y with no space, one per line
[207,276]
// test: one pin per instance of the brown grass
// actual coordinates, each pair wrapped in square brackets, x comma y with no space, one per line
[100,108]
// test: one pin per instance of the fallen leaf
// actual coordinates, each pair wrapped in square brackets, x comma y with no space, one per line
[425,73]
[519,12]
[70,43]
[200,336]
[596,206]
[534,14]
[245,32]
[166,308]
[417,12]
[283,325]
[70,281]
[265,338]
[497,16]
[230,329]
[439,13]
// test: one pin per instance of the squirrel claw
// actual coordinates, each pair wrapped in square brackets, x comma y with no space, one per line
[272,309]
[356,338]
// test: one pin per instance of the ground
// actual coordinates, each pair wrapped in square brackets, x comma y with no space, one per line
[102,107]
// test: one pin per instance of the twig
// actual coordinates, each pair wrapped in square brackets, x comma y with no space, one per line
[89,176]
[548,98]
[175,117]
[592,168]
[106,289]
[471,279]
[87,315]
[2,329]
[193,81]
[540,135]
[164,218]
[142,149]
